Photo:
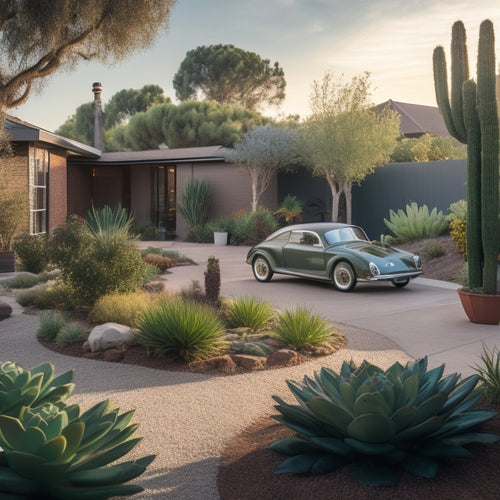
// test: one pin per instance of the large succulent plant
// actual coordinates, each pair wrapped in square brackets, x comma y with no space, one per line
[19,387]
[56,453]
[380,422]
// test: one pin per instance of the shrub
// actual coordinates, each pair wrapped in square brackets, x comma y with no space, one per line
[147,231]
[432,249]
[56,295]
[33,252]
[212,280]
[290,209]
[458,232]
[416,223]
[461,276]
[249,312]
[260,225]
[458,210]
[72,333]
[22,280]
[119,308]
[380,423]
[176,258]
[27,297]
[187,329]
[51,322]
[300,327]
[489,374]
[193,205]
[161,263]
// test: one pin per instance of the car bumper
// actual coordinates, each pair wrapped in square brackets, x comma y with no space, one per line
[394,276]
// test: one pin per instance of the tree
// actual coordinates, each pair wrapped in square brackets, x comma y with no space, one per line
[344,139]
[190,124]
[262,153]
[428,148]
[37,38]
[229,75]
[120,108]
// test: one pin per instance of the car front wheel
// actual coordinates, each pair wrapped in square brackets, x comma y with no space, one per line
[344,278]
[400,283]
[261,269]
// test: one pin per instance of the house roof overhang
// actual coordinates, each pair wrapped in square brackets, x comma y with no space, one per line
[21,131]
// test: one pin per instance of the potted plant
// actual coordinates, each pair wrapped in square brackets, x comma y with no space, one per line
[12,203]
[471,116]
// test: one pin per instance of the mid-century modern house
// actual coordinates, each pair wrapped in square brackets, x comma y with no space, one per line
[67,177]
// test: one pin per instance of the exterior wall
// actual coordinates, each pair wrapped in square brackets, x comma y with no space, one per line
[230,190]
[140,202]
[79,181]
[19,176]
[58,190]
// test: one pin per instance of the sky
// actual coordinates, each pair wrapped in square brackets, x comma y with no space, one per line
[391,39]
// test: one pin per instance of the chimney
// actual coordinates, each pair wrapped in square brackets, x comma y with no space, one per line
[98,125]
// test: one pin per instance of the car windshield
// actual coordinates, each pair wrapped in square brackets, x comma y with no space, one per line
[345,234]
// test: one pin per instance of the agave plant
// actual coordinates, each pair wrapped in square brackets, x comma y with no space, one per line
[380,422]
[107,224]
[19,387]
[52,453]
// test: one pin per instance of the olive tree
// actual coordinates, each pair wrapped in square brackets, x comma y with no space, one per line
[37,38]
[262,153]
[344,138]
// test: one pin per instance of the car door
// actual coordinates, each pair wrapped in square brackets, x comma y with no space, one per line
[304,254]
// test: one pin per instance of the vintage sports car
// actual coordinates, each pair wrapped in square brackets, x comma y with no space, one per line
[330,251]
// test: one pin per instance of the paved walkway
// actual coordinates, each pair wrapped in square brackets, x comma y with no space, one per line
[187,418]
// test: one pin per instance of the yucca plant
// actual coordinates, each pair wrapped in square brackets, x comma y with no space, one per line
[249,312]
[189,330]
[107,224]
[417,222]
[19,387]
[56,453]
[290,209]
[380,422]
[489,373]
[299,327]
[195,198]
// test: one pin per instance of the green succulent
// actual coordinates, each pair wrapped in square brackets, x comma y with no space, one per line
[56,453]
[19,387]
[380,423]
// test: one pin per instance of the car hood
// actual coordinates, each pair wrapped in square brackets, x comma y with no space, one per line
[375,250]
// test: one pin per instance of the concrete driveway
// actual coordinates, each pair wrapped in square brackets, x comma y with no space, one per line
[424,318]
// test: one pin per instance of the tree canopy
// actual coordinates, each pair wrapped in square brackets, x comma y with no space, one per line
[428,148]
[344,139]
[189,124]
[37,38]
[229,75]
[262,152]
[122,105]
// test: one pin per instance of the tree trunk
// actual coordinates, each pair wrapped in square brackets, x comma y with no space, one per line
[255,194]
[346,187]
[335,198]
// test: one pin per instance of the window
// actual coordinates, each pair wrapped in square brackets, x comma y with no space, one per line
[304,238]
[163,197]
[38,192]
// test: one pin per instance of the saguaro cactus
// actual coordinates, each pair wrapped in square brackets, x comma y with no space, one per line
[472,118]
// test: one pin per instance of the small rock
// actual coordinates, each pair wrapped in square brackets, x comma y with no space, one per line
[285,357]
[5,310]
[109,336]
[113,355]
[86,346]
[223,364]
[250,363]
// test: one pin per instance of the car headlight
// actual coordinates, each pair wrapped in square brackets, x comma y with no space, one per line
[418,261]
[374,269]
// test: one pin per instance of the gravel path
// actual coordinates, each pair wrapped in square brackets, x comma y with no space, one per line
[185,418]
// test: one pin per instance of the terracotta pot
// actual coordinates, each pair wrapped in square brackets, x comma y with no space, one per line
[481,308]
[7,261]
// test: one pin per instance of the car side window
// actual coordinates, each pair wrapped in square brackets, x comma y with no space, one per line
[304,238]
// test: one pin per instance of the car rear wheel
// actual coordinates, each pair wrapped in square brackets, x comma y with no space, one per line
[400,283]
[343,276]
[261,269]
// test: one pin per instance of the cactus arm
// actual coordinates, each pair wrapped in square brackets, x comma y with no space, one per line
[459,74]
[441,88]
[474,244]
[488,117]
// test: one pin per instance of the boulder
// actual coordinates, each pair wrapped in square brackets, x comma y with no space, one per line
[285,357]
[249,363]
[109,336]
[5,310]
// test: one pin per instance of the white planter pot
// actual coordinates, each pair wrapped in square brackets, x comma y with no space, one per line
[220,239]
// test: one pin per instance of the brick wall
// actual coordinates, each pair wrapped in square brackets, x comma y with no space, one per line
[18,177]
[58,193]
